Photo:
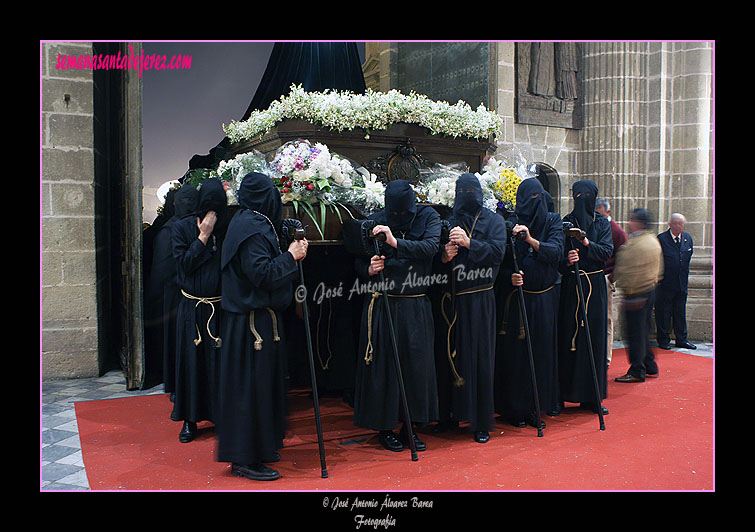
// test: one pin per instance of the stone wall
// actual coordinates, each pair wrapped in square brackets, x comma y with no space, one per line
[69,304]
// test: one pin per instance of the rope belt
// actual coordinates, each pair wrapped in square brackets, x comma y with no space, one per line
[458,379]
[369,350]
[506,310]
[208,301]
[587,304]
[258,338]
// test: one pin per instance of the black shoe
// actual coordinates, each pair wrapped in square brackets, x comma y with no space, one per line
[419,445]
[519,423]
[531,420]
[389,440]
[664,346]
[254,472]
[685,345]
[481,436]
[188,432]
[629,378]
[557,410]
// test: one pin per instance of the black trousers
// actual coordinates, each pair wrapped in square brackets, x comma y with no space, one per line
[637,319]
[670,307]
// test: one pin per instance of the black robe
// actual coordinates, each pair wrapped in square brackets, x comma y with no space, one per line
[513,383]
[257,283]
[163,276]
[153,299]
[333,322]
[575,374]
[199,314]
[474,270]
[377,401]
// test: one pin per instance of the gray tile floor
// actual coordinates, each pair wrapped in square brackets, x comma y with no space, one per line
[61,463]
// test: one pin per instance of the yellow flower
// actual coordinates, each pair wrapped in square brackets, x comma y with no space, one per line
[505,187]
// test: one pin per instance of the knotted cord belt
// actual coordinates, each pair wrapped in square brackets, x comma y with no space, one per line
[587,304]
[208,301]
[506,310]
[258,338]
[369,350]
[458,379]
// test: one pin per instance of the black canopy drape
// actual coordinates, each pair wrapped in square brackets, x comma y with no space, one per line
[316,66]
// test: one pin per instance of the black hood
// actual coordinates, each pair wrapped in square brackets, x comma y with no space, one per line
[584,193]
[400,205]
[468,200]
[186,201]
[257,193]
[531,211]
[212,197]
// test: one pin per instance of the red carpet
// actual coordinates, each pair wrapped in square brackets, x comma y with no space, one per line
[659,436]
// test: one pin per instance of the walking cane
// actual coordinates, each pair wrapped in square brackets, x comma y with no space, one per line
[523,312]
[367,227]
[575,232]
[292,224]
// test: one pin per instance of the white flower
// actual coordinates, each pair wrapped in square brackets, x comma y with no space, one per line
[372,110]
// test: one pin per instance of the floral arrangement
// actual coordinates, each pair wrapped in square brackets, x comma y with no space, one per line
[504,187]
[307,174]
[232,171]
[305,171]
[370,111]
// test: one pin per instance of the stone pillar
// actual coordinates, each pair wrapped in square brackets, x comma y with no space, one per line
[614,139]
[69,305]
[646,143]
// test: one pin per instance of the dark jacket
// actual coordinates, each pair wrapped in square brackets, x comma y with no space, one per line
[675,261]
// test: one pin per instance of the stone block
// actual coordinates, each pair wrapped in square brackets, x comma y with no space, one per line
[72,199]
[80,96]
[69,340]
[69,365]
[52,268]
[72,49]
[71,130]
[73,165]
[67,234]
[64,302]
[79,267]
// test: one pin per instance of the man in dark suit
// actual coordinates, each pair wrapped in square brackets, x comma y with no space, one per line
[671,294]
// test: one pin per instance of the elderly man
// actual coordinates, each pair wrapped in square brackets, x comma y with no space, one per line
[671,296]
[639,267]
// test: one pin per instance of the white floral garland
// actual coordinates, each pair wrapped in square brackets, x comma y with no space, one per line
[371,111]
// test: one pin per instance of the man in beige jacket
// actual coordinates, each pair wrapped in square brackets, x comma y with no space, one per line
[639,268]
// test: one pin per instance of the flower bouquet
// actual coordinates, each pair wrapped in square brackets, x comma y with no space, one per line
[232,171]
[308,174]
[437,185]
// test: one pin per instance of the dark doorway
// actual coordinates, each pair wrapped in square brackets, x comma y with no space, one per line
[109,148]
[548,177]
